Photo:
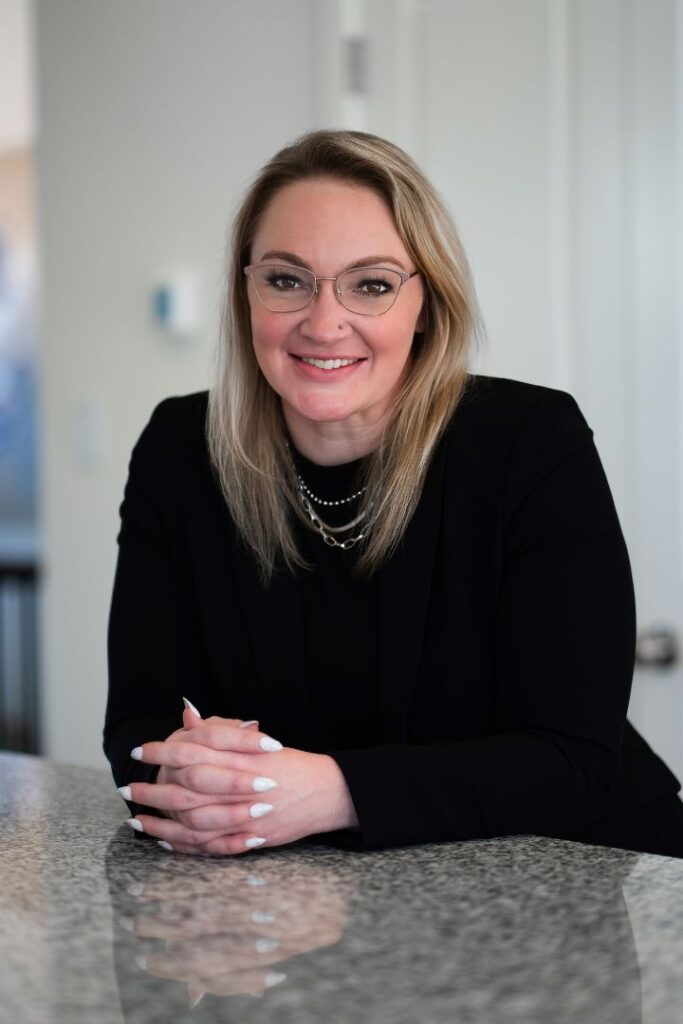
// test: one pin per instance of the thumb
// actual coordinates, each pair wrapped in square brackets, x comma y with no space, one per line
[191,716]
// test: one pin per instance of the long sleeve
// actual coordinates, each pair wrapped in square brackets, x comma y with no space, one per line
[153,652]
[564,646]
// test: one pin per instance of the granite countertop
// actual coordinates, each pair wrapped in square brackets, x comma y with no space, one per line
[99,925]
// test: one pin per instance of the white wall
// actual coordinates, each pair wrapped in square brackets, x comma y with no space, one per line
[483,135]
[16,94]
[152,116]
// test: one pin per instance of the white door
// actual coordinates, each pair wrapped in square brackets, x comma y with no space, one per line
[623,64]
[654,442]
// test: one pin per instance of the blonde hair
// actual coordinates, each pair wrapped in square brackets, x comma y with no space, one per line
[246,432]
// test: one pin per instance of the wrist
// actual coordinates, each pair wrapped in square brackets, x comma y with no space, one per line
[342,810]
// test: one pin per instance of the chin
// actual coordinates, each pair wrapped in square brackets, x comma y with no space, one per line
[324,412]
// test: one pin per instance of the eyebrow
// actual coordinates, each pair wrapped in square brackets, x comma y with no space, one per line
[366,261]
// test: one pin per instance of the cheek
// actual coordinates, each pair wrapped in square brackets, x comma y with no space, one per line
[267,334]
[395,346]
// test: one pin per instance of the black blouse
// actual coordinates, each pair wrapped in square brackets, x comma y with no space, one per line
[477,685]
[339,610]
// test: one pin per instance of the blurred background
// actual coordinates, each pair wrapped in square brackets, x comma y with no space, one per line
[554,130]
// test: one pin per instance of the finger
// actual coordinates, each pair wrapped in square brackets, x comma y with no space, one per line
[188,849]
[194,850]
[220,734]
[181,752]
[225,781]
[190,719]
[212,817]
[191,786]
[173,798]
[235,819]
[237,845]
[230,845]
[168,830]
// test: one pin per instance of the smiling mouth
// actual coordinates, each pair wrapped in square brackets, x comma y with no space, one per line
[328,364]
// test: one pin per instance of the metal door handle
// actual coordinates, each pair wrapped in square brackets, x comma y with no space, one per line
[657,645]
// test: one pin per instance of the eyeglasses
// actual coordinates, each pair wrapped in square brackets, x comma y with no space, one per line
[369,291]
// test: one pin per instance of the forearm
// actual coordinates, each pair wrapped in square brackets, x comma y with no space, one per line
[521,782]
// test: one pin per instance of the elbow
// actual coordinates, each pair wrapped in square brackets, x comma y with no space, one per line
[584,785]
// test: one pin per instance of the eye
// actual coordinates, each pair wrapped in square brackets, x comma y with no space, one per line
[372,285]
[284,281]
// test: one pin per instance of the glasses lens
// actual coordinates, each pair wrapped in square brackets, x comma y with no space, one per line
[369,290]
[283,288]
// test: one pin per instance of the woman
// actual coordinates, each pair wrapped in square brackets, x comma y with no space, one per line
[411,578]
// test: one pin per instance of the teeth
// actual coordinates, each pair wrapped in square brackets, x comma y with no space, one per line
[328,364]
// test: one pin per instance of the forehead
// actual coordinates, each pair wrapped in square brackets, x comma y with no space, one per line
[323,219]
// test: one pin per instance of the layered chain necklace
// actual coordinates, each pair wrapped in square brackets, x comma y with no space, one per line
[328,533]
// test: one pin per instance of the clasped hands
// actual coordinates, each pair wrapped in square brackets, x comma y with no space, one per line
[211,772]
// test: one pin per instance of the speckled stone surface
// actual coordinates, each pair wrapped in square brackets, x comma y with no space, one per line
[99,926]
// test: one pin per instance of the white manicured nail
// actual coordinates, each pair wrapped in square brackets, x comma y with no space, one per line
[136,889]
[141,961]
[128,923]
[254,841]
[256,880]
[252,721]
[135,824]
[136,753]
[258,810]
[266,945]
[125,792]
[274,978]
[268,743]
[190,706]
[260,784]
[260,917]
[165,846]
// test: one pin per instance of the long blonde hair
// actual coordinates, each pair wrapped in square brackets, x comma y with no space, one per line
[246,433]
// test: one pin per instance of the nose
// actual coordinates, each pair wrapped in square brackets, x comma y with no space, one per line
[325,319]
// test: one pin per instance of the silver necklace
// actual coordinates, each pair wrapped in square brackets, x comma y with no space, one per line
[324,529]
[303,486]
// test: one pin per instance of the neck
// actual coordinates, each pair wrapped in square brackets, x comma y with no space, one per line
[336,442]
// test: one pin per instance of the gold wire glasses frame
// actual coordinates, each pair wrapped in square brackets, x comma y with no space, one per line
[284,288]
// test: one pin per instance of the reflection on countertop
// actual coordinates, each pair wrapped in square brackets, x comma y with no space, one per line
[102,926]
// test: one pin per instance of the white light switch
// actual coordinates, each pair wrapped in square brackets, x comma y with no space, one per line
[176,304]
